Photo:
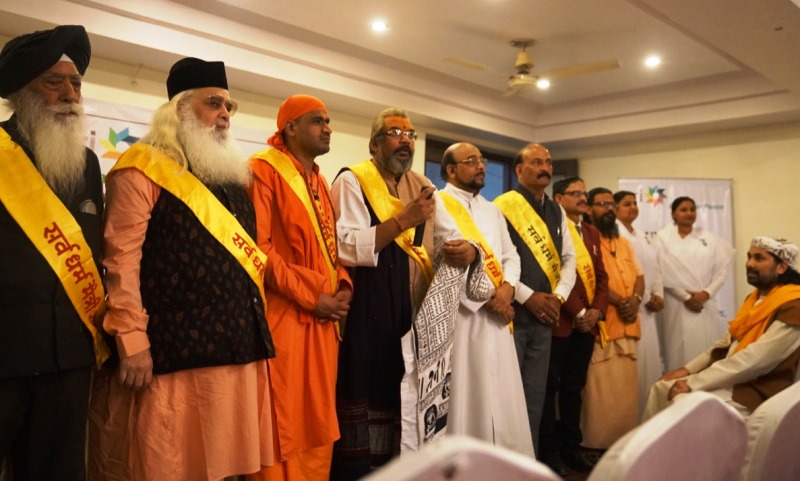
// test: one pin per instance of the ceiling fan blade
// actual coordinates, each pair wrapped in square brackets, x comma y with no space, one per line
[466,63]
[580,69]
[511,91]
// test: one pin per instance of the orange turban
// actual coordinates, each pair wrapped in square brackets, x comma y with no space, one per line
[292,108]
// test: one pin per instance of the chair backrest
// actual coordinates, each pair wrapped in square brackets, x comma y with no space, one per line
[458,458]
[773,434]
[698,437]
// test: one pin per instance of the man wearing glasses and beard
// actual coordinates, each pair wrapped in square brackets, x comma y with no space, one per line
[610,407]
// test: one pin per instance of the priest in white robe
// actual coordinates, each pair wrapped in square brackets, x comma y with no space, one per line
[487,399]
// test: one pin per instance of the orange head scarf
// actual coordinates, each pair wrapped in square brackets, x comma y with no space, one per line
[292,108]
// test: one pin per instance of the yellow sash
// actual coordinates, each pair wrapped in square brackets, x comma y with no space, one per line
[583,261]
[470,231]
[284,166]
[56,234]
[221,224]
[533,231]
[386,206]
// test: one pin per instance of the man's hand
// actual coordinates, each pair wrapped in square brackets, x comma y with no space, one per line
[628,309]
[544,306]
[676,374]
[333,307]
[136,372]
[680,387]
[589,320]
[500,303]
[655,304]
[696,301]
[418,210]
[458,253]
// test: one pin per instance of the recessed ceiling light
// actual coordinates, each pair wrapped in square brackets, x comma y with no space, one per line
[379,26]
[652,61]
[543,83]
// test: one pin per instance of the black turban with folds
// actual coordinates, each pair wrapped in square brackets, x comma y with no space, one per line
[26,57]
[192,73]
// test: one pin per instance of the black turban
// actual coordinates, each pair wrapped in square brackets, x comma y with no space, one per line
[192,73]
[26,57]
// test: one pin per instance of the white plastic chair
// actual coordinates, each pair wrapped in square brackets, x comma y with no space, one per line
[698,437]
[773,434]
[459,458]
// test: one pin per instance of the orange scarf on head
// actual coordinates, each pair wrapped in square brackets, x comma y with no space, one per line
[292,108]
[752,320]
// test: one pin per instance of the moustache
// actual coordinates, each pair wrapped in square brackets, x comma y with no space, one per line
[544,174]
[404,148]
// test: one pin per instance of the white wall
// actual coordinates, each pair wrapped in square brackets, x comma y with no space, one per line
[763,163]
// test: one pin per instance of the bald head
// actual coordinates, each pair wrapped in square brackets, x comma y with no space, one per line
[464,166]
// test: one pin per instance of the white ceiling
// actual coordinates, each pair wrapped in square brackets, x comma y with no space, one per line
[727,63]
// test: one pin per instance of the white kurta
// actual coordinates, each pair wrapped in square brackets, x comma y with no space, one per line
[697,262]
[487,401]
[648,356]
[759,357]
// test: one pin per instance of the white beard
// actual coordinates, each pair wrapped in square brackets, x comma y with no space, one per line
[213,155]
[57,143]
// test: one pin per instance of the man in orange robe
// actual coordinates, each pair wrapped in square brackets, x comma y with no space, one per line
[307,292]
[610,405]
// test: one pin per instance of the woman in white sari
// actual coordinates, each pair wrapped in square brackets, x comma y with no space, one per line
[694,266]
[648,355]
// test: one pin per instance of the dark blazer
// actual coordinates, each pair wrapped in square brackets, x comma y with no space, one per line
[40,330]
[578,298]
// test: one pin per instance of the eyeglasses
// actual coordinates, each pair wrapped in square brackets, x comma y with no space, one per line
[216,102]
[473,161]
[604,203]
[576,194]
[395,132]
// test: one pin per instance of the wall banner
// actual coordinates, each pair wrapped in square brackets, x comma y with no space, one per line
[714,212]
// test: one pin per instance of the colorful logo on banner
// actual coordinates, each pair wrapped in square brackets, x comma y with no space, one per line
[655,195]
[115,138]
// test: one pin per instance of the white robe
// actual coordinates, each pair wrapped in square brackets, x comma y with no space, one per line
[649,365]
[487,401]
[697,262]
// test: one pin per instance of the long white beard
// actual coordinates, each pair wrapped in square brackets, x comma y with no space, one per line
[57,143]
[213,155]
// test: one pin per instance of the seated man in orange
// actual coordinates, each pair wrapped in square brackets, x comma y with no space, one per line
[758,356]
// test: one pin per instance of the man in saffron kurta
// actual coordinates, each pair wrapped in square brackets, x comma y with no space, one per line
[308,292]
[190,399]
[758,356]
[610,401]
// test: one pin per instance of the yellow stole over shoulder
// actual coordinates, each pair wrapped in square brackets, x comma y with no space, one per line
[219,222]
[466,224]
[583,261]
[327,240]
[534,233]
[56,234]
[752,319]
[386,206]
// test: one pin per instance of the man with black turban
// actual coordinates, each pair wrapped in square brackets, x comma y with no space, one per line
[190,399]
[51,208]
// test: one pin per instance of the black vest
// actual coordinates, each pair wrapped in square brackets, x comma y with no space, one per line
[204,309]
[532,274]
[40,331]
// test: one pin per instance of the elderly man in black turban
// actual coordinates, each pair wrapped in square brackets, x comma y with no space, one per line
[51,207]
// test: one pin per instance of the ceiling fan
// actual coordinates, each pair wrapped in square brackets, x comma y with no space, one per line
[522,78]
[523,66]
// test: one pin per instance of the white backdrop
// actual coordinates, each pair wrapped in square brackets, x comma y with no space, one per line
[714,212]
